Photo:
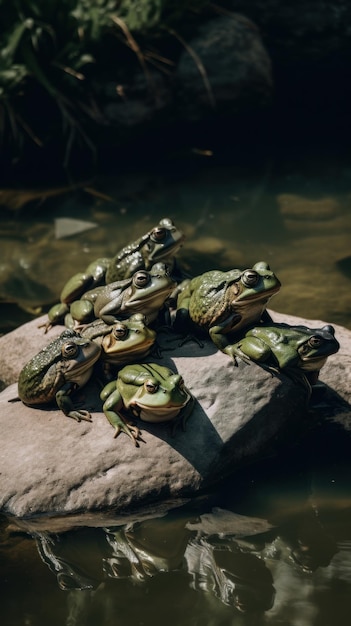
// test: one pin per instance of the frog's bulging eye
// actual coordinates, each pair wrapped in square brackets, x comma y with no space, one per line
[250,278]
[314,342]
[158,234]
[151,386]
[120,331]
[69,349]
[140,279]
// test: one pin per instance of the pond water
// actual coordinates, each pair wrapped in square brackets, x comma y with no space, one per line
[271,546]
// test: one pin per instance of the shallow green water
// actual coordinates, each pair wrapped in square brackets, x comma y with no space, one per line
[288,561]
[296,217]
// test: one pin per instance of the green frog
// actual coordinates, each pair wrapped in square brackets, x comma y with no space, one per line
[289,348]
[224,303]
[124,341]
[149,391]
[161,243]
[63,366]
[77,285]
[145,292]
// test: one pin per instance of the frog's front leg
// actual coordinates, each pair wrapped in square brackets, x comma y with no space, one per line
[65,403]
[112,409]
[219,333]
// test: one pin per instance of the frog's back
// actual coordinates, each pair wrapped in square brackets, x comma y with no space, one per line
[208,295]
[31,386]
[35,382]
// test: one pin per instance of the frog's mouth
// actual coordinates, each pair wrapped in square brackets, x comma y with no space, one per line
[75,369]
[153,296]
[257,296]
[313,363]
[163,251]
[156,413]
[122,347]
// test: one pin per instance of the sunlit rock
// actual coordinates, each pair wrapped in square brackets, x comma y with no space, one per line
[51,464]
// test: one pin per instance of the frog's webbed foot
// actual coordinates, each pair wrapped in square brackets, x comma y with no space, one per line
[235,353]
[183,339]
[129,429]
[47,326]
[190,337]
[80,415]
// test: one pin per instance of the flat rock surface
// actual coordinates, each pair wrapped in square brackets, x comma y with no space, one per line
[50,464]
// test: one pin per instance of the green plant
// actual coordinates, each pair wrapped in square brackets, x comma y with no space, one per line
[53,46]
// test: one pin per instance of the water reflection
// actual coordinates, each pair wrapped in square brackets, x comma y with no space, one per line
[235,563]
[272,546]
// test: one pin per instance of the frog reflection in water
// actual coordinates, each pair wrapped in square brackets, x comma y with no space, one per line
[224,303]
[293,349]
[124,341]
[145,292]
[161,243]
[152,392]
[65,365]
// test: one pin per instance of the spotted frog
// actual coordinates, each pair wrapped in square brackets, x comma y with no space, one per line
[149,391]
[63,366]
[225,303]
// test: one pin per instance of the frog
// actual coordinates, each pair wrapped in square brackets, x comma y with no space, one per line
[145,292]
[79,283]
[223,304]
[160,243]
[292,349]
[60,368]
[124,341]
[151,392]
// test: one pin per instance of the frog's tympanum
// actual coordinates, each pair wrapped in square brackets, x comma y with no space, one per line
[124,341]
[225,303]
[159,244]
[289,348]
[149,391]
[65,365]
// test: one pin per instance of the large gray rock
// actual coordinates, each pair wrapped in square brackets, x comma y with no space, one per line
[50,464]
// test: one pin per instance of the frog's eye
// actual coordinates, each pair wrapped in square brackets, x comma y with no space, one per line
[314,342]
[158,234]
[120,331]
[151,386]
[140,279]
[250,278]
[69,349]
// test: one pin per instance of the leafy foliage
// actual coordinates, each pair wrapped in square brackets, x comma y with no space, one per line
[51,44]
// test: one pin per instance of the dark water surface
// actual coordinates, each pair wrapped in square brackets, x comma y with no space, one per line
[271,546]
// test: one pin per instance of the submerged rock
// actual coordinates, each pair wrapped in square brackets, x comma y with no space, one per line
[50,464]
